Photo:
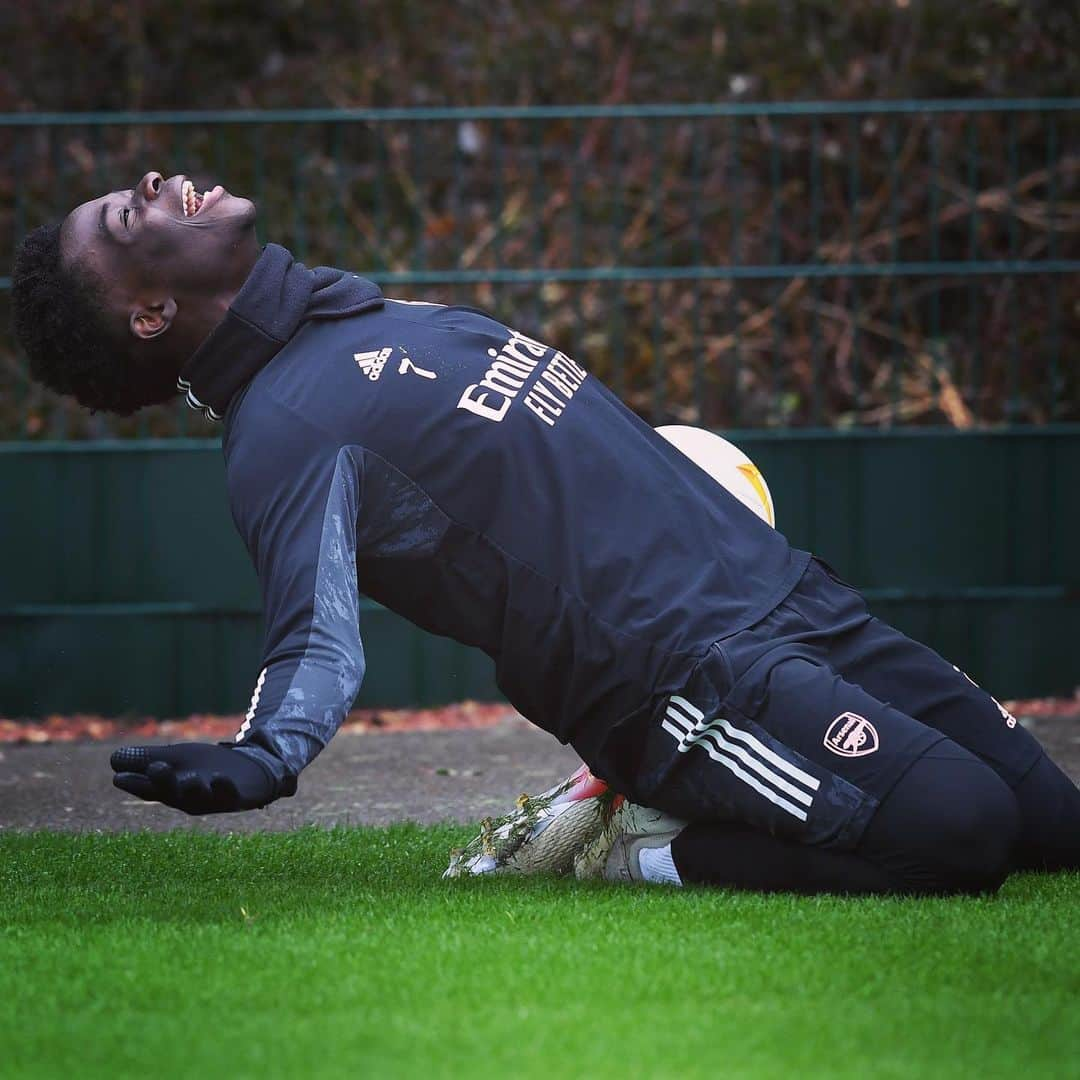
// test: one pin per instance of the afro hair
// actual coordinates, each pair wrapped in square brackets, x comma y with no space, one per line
[57,315]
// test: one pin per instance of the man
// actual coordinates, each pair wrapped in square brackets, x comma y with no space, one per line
[482,484]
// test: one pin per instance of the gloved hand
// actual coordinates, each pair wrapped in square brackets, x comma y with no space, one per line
[198,778]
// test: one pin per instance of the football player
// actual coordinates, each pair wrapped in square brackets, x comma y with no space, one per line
[479,482]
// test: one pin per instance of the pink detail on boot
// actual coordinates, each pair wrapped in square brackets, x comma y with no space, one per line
[582,785]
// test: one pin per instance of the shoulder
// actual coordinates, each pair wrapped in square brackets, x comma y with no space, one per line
[445,318]
[269,446]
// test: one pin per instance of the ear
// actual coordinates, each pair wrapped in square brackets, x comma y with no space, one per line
[151,320]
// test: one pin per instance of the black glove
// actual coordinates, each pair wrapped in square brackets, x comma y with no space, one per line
[198,778]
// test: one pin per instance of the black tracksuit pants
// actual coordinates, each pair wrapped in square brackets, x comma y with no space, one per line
[841,756]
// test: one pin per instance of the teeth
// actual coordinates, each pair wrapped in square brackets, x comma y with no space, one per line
[191,202]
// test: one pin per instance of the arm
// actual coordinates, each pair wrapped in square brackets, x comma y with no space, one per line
[304,550]
[295,501]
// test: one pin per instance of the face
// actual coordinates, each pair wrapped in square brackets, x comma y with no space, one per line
[171,257]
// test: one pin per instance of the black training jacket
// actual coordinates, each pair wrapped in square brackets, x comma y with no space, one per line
[478,482]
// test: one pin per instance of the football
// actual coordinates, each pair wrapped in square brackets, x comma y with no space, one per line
[726,464]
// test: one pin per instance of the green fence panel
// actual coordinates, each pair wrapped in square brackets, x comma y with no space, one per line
[931,511]
[167,662]
[120,523]
[127,590]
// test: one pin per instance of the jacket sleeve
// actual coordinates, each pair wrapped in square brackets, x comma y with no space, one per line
[295,498]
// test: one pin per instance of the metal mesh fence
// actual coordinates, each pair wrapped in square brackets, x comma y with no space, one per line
[783,265]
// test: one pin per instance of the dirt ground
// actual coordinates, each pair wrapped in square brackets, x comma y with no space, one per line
[375,778]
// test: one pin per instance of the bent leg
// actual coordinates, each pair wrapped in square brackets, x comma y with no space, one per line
[948,826]
[799,780]
[922,684]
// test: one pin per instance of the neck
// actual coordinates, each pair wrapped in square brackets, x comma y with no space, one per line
[202,316]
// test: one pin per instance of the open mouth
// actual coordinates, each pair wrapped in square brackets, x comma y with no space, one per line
[190,200]
[194,202]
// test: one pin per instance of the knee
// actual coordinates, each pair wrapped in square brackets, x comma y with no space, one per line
[949,826]
[976,835]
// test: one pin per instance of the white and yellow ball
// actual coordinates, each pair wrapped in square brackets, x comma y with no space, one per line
[726,464]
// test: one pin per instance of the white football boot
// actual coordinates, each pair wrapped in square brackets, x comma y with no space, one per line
[543,834]
[615,852]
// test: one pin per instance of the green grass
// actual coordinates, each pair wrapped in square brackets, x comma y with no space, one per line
[342,954]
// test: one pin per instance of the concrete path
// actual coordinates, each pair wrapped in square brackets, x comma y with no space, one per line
[360,779]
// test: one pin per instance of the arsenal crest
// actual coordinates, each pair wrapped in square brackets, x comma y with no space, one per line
[851,735]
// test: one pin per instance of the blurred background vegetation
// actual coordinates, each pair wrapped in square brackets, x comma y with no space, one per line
[153,54]
[431,197]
